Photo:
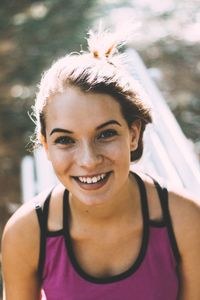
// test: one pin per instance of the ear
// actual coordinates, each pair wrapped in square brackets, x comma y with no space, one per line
[135,130]
[44,144]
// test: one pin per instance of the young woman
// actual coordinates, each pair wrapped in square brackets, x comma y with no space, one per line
[103,233]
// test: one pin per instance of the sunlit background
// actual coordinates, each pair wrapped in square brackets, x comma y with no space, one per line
[34,33]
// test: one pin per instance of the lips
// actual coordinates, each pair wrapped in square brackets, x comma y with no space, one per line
[94,182]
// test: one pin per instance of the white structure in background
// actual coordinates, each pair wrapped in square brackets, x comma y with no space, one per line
[36,174]
[167,152]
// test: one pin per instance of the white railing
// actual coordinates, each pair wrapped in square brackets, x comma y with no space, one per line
[171,153]
[167,152]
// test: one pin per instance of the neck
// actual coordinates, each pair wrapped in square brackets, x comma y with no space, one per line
[126,203]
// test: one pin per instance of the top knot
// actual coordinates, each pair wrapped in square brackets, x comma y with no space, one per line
[103,44]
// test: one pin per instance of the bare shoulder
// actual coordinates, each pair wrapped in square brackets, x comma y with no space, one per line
[25,217]
[184,207]
[21,233]
[185,214]
[21,251]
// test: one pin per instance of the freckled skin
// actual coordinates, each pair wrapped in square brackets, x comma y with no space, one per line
[88,152]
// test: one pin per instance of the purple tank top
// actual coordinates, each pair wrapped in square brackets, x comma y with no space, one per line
[152,276]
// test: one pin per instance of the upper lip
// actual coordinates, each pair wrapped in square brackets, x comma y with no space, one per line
[92,175]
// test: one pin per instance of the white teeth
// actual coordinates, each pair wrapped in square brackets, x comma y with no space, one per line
[89,180]
[92,179]
[95,179]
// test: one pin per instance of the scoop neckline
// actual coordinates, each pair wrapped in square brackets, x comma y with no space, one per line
[143,247]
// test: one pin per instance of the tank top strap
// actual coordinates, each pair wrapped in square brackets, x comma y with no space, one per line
[65,210]
[164,202]
[143,197]
[163,199]
[42,215]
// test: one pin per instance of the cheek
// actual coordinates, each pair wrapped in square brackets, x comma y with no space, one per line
[118,150]
[60,160]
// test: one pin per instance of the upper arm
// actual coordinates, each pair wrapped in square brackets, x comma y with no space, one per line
[186,218]
[20,250]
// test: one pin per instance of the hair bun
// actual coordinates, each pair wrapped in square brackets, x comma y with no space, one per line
[103,44]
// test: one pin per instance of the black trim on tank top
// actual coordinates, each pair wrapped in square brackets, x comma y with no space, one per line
[143,247]
[55,233]
[42,215]
[163,196]
[157,224]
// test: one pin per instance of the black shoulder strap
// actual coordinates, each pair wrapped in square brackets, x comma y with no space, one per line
[65,210]
[163,195]
[42,215]
[39,213]
[143,196]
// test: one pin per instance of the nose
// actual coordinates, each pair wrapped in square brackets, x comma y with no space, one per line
[89,156]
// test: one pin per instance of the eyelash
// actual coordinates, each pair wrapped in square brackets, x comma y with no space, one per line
[64,140]
[106,134]
[109,133]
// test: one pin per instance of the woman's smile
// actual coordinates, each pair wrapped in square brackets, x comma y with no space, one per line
[92,182]
[89,144]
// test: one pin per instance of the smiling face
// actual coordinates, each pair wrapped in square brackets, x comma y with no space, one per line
[88,143]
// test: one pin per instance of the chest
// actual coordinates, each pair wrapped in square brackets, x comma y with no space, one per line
[155,270]
[110,253]
[111,265]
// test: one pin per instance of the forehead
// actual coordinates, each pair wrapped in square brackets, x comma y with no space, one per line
[75,107]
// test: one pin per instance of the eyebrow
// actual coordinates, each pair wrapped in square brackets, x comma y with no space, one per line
[61,130]
[110,122]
